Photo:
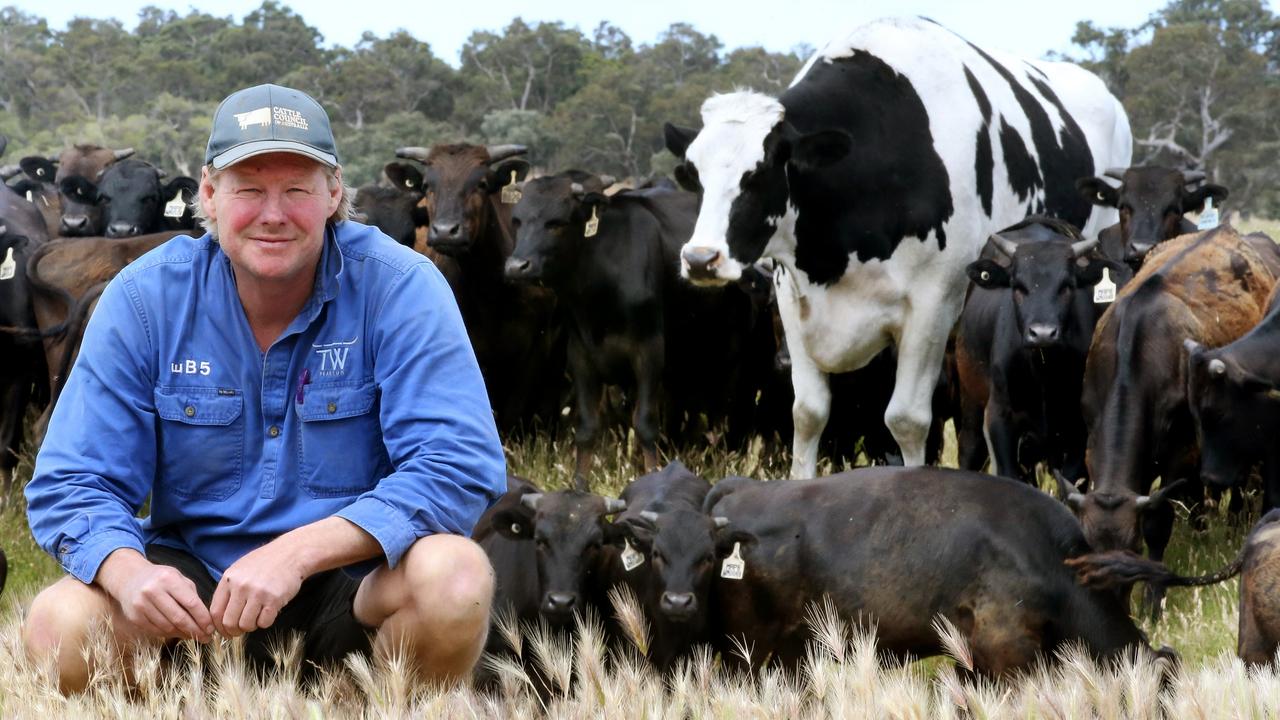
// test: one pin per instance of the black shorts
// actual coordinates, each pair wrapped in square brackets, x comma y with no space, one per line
[323,612]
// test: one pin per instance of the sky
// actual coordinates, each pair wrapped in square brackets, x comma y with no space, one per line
[1028,28]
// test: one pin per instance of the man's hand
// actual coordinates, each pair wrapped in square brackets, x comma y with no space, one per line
[157,598]
[254,589]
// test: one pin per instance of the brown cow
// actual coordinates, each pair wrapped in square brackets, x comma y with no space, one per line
[80,215]
[1258,566]
[514,330]
[1212,287]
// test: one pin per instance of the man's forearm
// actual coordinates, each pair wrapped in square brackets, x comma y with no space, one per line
[327,544]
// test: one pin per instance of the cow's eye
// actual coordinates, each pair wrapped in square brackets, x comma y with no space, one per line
[483,185]
[541,543]
[556,224]
[515,223]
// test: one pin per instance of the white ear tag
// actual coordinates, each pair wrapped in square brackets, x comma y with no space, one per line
[510,193]
[733,566]
[1208,218]
[29,198]
[175,207]
[1105,290]
[8,267]
[631,558]
[593,225]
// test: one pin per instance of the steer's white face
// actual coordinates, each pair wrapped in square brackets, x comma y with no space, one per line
[730,147]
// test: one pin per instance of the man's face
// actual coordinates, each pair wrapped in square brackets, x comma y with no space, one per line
[270,212]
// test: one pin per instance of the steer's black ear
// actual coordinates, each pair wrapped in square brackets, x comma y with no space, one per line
[514,523]
[728,536]
[1194,200]
[38,168]
[403,176]
[82,189]
[188,186]
[1089,271]
[687,177]
[820,149]
[678,138]
[500,176]
[987,273]
[638,530]
[1098,191]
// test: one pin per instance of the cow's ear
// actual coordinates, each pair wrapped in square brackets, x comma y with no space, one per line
[514,523]
[501,176]
[1098,191]
[1089,271]
[820,149]
[188,186]
[678,138]
[403,176]
[38,168]
[987,273]
[729,536]
[81,188]
[687,177]
[1194,200]
[637,530]
[23,186]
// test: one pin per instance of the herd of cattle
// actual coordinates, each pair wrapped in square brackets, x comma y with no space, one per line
[916,230]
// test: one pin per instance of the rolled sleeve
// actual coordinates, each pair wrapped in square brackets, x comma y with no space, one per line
[97,461]
[436,422]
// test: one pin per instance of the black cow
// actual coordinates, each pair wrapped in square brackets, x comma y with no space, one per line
[1021,346]
[1234,395]
[612,262]
[132,200]
[664,527]
[38,187]
[1152,201]
[516,331]
[984,552]
[81,215]
[1257,566]
[1211,287]
[395,209]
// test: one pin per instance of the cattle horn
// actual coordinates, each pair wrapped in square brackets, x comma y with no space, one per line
[1069,492]
[413,152]
[1217,368]
[1003,244]
[498,153]
[649,515]
[8,171]
[530,500]
[577,189]
[122,153]
[721,522]
[1145,502]
[614,505]
[607,180]
[1190,345]
[1083,246]
[1115,173]
[1192,176]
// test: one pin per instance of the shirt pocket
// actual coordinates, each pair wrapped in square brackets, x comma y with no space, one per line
[340,448]
[200,453]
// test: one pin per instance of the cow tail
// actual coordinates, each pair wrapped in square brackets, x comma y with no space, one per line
[39,283]
[1121,568]
[78,318]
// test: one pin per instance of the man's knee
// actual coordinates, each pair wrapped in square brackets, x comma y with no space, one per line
[58,625]
[449,575]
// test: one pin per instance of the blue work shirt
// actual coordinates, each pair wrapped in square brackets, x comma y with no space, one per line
[370,407]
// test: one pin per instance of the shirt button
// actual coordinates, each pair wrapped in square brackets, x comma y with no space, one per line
[273,431]
[64,549]
[190,411]
[333,408]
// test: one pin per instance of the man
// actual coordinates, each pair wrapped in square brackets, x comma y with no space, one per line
[297,396]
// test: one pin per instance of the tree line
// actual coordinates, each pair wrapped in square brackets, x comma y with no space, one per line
[1200,80]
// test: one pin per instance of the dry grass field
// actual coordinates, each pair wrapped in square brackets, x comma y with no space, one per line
[843,678]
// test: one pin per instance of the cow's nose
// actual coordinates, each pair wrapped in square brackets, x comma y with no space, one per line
[74,222]
[122,229]
[1139,250]
[560,602]
[1042,334]
[445,231]
[782,361]
[678,603]
[701,261]
[516,268]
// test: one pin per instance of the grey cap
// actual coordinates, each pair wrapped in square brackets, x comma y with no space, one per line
[269,118]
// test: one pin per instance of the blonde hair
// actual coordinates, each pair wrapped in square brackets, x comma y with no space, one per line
[344,211]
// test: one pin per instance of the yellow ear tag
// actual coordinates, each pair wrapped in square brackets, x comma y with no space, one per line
[510,193]
[593,225]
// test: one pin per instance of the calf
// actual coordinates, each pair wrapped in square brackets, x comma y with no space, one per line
[81,215]
[1258,566]
[663,526]
[1152,202]
[1234,395]
[985,553]
[1210,287]
[133,201]
[1021,346]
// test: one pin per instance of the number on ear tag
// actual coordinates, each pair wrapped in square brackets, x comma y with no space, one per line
[1105,290]
[175,207]
[733,567]
[510,192]
[593,225]
[631,559]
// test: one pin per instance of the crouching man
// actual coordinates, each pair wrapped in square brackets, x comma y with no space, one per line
[297,396]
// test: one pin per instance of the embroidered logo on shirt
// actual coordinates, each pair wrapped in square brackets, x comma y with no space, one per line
[333,356]
[191,367]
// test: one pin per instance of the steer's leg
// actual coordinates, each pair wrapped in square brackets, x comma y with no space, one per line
[647,365]
[809,414]
[588,388]
[921,348]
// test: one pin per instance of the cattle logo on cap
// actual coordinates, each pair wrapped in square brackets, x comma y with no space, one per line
[261,116]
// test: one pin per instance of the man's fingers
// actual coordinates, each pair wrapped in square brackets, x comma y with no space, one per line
[155,621]
[249,615]
[267,617]
[181,621]
[230,617]
[189,599]
[217,608]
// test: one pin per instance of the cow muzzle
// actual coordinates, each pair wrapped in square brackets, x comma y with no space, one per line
[1136,251]
[521,270]
[123,229]
[1041,335]
[74,224]
[559,604]
[678,606]
[708,266]
[448,238]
